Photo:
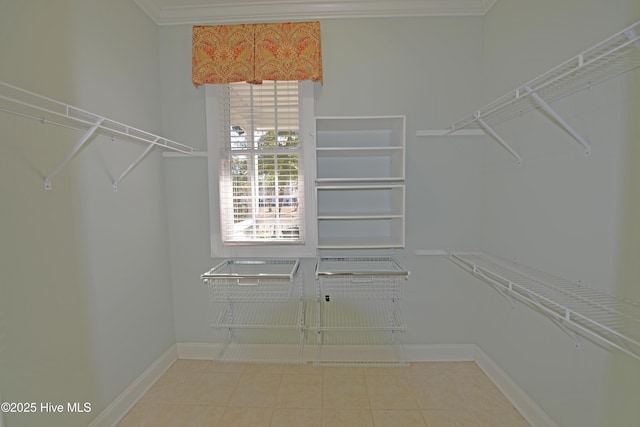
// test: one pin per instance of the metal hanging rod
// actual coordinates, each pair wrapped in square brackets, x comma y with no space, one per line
[23,103]
[612,57]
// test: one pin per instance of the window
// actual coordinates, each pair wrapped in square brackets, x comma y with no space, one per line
[259,158]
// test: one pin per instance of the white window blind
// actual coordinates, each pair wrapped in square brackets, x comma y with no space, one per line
[261,175]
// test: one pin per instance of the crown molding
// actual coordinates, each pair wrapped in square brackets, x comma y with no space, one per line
[281,10]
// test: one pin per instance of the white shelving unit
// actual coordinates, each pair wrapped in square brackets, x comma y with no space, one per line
[259,302]
[357,316]
[616,55]
[362,216]
[360,189]
[24,103]
[578,310]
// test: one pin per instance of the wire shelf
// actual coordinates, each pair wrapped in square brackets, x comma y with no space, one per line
[612,320]
[610,58]
[21,102]
[360,287]
[258,315]
[358,318]
[359,266]
[360,315]
[360,278]
[361,348]
[260,303]
[257,280]
[263,346]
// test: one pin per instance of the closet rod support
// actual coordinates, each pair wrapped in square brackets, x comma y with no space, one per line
[558,119]
[134,164]
[79,145]
[489,131]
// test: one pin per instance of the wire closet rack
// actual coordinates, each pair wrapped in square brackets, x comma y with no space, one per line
[577,309]
[260,305]
[357,316]
[612,57]
[24,103]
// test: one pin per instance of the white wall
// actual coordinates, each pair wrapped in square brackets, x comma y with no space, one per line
[561,211]
[371,67]
[85,295]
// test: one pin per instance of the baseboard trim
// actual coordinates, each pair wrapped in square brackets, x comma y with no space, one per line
[414,353]
[440,353]
[128,398]
[527,407]
[198,351]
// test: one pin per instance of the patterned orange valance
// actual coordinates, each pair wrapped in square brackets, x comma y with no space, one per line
[256,52]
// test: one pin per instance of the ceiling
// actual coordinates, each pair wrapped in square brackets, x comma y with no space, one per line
[211,12]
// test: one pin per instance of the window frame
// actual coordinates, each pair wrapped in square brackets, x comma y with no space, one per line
[214,110]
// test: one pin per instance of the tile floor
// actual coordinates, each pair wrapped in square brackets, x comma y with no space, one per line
[203,393]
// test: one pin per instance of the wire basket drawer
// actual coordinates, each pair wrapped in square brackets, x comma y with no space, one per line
[361,348]
[257,280]
[263,346]
[360,277]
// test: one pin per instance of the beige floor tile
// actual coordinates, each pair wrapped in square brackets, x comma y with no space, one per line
[256,368]
[246,417]
[397,418]
[146,414]
[295,417]
[214,388]
[389,392]
[386,370]
[307,368]
[257,390]
[346,418]
[225,367]
[498,417]
[484,395]
[345,392]
[335,377]
[195,416]
[439,392]
[449,418]
[197,393]
[173,388]
[342,370]
[300,391]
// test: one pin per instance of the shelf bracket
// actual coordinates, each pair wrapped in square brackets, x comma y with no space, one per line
[79,145]
[558,119]
[489,131]
[560,323]
[506,295]
[134,164]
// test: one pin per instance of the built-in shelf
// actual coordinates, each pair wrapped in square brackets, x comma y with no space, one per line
[356,242]
[577,309]
[358,180]
[23,103]
[356,151]
[616,55]
[363,215]
[360,190]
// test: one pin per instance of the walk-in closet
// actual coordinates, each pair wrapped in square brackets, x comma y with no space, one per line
[317,214]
